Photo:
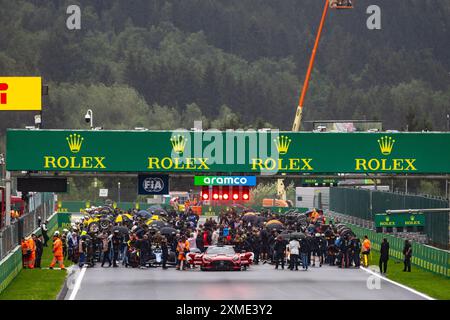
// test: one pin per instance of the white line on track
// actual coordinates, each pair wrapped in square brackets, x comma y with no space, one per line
[77,284]
[398,284]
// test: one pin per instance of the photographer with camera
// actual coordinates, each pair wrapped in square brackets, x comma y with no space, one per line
[116,241]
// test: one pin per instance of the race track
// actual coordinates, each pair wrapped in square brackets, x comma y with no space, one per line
[260,282]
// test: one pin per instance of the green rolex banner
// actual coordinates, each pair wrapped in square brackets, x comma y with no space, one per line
[266,152]
[400,220]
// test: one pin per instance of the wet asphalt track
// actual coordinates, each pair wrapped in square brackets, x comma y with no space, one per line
[260,282]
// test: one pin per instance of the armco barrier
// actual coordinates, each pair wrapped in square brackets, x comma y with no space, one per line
[426,257]
[10,267]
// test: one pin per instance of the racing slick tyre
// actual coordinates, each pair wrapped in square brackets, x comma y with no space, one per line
[94,227]
[104,223]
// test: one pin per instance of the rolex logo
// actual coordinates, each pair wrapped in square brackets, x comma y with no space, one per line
[178,143]
[282,144]
[75,141]
[386,144]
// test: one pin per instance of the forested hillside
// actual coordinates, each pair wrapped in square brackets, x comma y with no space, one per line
[233,63]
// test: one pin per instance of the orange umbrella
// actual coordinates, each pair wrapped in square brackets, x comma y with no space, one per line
[273,222]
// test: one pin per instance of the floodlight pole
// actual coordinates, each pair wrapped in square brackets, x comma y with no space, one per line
[118,189]
[7,198]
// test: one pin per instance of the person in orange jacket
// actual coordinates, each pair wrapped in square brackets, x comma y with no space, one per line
[182,249]
[314,215]
[57,252]
[25,252]
[366,246]
[32,251]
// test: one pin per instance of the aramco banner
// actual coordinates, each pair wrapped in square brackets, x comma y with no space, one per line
[262,152]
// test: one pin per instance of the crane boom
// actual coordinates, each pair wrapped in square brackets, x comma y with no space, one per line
[281,190]
[298,115]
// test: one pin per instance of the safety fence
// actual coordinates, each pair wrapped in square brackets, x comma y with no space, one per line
[11,264]
[41,205]
[364,204]
[426,257]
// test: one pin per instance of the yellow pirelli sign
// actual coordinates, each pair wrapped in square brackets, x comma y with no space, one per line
[20,93]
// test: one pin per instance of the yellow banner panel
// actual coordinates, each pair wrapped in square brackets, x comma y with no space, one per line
[20,93]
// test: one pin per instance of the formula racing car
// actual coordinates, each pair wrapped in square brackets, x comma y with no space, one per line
[220,258]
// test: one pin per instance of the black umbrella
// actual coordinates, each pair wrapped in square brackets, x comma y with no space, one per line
[275,226]
[155,208]
[122,229]
[158,211]
[158,224]
[239,208]
[144,214]
[107,209]
[294,235]
[260,221]
[167,231]
[285,234]
[250,218]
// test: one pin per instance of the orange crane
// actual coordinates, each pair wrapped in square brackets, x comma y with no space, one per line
[333,4]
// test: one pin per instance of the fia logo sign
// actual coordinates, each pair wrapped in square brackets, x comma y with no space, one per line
[153,185]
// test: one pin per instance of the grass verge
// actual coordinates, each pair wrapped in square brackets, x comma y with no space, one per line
[431,284]
[37,284]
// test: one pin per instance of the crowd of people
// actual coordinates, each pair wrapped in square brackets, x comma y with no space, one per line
[284,240]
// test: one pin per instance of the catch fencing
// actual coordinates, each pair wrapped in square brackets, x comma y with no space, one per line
[40,205]
[11,264]
[364,204]
[426,257]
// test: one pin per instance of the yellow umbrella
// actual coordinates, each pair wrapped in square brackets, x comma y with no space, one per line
[129,216]
[273,222]
[120,217]
[155,217]
[151,220]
